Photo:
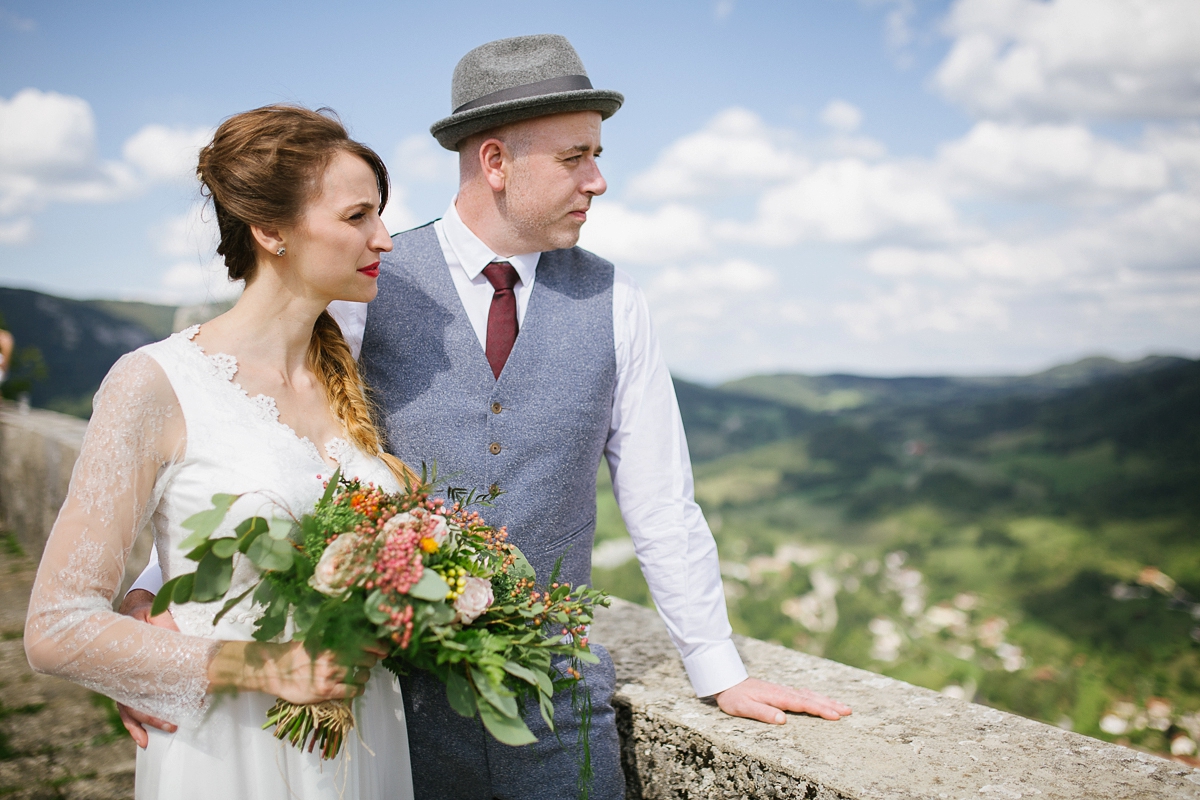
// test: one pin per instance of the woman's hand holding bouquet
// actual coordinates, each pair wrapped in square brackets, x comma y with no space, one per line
[400,576]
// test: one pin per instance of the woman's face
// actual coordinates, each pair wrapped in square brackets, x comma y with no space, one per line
[334,250]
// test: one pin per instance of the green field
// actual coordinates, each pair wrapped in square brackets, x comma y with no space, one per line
[1034,548]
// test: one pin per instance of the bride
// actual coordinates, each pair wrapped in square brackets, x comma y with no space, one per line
[264,401]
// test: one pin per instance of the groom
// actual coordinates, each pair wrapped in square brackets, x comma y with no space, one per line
[516,360]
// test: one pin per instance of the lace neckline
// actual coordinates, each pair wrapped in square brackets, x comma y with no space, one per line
[224,367]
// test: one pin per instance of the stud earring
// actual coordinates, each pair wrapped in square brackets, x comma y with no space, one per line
[281,251]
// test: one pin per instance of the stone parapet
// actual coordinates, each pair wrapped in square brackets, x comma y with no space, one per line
[902,741]
[37,452]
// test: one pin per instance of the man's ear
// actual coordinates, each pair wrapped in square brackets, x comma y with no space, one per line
[269,239]
[493,163]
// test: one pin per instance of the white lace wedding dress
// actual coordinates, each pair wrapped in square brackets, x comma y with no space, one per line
[170,428]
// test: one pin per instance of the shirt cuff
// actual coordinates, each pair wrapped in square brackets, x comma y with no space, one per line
[715,669]
[150,580]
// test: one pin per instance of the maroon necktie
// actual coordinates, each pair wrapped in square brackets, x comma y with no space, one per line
[502,317]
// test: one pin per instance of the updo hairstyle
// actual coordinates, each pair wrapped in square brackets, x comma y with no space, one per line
[262,168]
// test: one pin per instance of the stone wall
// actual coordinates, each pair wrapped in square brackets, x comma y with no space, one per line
[37,453]
[901,741]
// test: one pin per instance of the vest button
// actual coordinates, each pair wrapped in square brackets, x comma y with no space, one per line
[495,448]
[494,488]
[497,408]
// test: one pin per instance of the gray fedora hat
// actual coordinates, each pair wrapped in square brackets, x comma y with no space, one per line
[520,78]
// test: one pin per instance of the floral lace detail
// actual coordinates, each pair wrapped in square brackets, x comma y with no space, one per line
[225,367]
[338,449]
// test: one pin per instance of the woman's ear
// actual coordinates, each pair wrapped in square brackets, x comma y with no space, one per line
[269,239]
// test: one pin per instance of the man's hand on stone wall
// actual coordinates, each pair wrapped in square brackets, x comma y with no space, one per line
[137,605]
[766,702]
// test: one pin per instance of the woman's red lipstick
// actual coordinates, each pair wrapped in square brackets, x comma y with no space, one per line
[371,270]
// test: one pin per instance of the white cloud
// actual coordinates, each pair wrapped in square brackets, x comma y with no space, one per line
[419,158]
[722,9]
[48,155]
[1073,58]
[736,150]
[396,214]
[671,233]
[842,116]
[909,308]
[1064,161]
[165,154]
[17,22]
[195,273]
[17,231]
[849,200]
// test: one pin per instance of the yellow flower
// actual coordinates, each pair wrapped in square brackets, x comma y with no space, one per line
[429,544]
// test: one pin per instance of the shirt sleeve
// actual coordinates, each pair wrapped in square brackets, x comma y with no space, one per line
[652,479]
[351,317]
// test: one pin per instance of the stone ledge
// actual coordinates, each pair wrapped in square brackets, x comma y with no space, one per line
[37,453]
[902,741]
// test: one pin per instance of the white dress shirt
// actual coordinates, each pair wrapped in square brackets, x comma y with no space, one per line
[646,451]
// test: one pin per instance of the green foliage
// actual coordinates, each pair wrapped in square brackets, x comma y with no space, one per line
[1043,506]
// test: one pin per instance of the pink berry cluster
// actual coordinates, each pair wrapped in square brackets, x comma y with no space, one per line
[398,564]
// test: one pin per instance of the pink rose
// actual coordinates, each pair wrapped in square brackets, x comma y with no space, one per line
[475,599]
[335,571]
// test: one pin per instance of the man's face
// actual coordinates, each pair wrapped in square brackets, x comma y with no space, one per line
[552,179]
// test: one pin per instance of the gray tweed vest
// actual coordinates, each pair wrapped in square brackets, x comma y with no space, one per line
[537,432]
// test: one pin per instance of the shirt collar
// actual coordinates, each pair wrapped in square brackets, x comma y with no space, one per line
[473,255]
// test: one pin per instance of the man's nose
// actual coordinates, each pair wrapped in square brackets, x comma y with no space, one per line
[594,184]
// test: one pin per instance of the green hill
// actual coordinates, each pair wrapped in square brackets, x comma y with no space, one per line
[1030,542]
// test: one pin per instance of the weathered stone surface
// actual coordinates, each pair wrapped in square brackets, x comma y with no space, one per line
[56,738]
[37,452]
[901,741]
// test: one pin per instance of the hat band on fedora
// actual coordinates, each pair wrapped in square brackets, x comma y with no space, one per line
[564,83]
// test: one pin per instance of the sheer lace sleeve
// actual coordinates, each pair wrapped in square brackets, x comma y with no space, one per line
[136,436]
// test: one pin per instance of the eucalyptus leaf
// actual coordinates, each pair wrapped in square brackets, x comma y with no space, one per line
[269,554]
[248,531]
[280,529]
[495,695]
[203,523]
[181,593]
[460,694]
[587,656]
[507,730]
[224,548]
[431,587]
[371,608]
[213,576]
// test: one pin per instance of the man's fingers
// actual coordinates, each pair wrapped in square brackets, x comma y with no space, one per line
[806,702]
[135,722]
[752,709]
[163,620]
[140,737]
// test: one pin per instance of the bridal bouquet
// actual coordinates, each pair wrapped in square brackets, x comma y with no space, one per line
[443,590]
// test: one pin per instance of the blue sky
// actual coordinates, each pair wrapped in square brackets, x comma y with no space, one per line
[881,186]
